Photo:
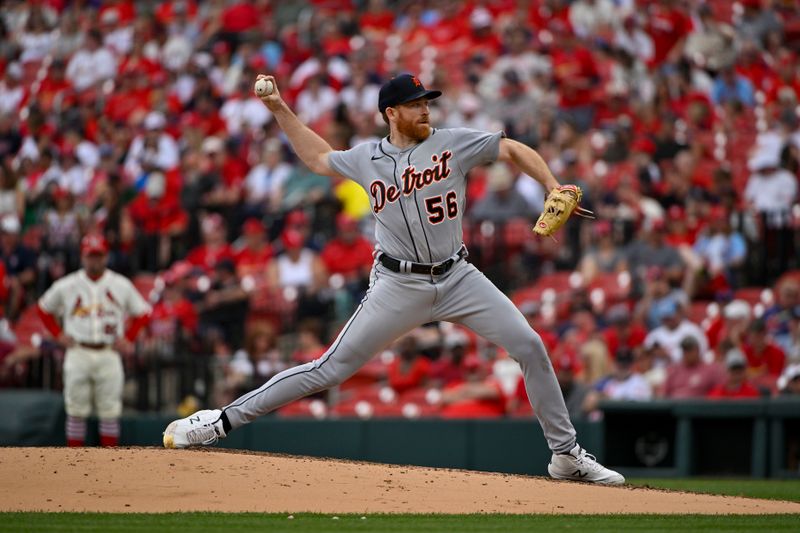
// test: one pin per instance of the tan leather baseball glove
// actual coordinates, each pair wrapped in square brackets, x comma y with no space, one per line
[558,207]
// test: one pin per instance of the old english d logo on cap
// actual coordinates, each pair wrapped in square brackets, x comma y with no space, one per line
[403,89]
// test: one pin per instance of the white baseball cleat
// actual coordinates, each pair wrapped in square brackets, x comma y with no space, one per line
[203,428]
[577,465]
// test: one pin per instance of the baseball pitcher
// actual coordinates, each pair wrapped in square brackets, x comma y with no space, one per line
[86,312]
[416,180]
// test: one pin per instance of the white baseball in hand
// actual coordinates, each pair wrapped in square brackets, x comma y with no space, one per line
[263,87]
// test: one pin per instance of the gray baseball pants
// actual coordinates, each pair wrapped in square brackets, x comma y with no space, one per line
[396,304]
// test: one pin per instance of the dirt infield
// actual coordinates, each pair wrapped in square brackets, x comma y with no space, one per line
[149,480]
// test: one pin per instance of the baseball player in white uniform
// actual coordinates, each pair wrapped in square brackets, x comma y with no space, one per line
[86,311]
[416,179]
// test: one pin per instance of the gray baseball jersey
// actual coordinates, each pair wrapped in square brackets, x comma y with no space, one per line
[418,197]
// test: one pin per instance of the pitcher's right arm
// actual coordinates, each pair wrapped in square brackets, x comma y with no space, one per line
[312,149]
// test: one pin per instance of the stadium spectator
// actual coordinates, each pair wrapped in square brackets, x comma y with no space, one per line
[478,396]
[91,64]
[765,359]
[501,202]
[731,325]
[20,264]
[263,185]
[214,248]
[691,377]
[154,149]
[624,383]
[736,385]
[349,255]
[300,270]
[722,252]
[254,256]
[448,368]
[779,317]
[602,256]
[223,309]
[309,342]
[574,390]
[665,339]
[789,382]
[409,369]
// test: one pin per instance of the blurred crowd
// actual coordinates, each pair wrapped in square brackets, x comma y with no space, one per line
[678,118]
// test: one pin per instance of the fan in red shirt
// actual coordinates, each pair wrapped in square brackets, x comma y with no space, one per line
[736,385]
[376,19]
[240,17]
[55,86]
[409,369]
[478,396]
[174,314]
[157,209]
[666,25]
[623,331]
[123,10]
[252,259]
[349,253]
[214,248]
[765,359]
[576,74]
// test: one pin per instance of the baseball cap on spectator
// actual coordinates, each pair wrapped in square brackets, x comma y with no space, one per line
[401,90]
[563,364]
[212,145]
[734,358]
[59,193]
[643,144]
[179,270]
[499,177]
[454,338]
[10,224]
[676,212]
[296,218]
[292,239]
[154,121]
[480,18]
[472,362]
[736,310]
[764,159]
[345,222]
[618,314]
[789,374]
[602,228]
[93,243]
[665,308]
[253,226]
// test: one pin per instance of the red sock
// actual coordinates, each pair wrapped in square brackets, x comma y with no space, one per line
[109,432]
[76,431]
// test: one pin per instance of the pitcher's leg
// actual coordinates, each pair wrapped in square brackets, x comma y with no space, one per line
[391,309]
[475,302]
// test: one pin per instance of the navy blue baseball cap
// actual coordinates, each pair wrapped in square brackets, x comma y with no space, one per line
[403,89]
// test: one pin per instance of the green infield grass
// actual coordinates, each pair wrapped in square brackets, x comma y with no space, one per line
[770,489]
[274,523]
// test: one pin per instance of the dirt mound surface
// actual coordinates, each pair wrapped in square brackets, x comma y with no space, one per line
[150,480]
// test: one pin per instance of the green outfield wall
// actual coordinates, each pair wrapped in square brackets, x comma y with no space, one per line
[747,438]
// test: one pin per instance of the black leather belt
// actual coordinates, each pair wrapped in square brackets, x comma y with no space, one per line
[406,267]
[98,346]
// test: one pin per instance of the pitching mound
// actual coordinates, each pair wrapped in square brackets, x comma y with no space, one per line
[149,480]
